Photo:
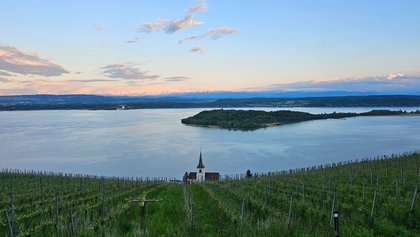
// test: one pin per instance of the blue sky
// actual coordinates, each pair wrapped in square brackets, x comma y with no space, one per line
[154,47]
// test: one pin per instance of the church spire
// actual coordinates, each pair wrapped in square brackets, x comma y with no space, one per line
[200,163]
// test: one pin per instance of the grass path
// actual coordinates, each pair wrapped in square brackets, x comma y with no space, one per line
[211,219]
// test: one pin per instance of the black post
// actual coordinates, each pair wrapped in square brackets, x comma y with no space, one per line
[12,209]
[290,211]
[336,232]
[72,225]
[9,224]
[42,191]
[56,210]
[143,217]
[143,203]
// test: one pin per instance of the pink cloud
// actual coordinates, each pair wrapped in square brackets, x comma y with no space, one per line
[15,61]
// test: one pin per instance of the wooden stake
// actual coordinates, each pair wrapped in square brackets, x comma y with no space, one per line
[103,199]
[363,195]
[9,224]
[265,197]
[72,225]
[413,202]
[11,217]
[290,210]
[242,214]
[143,217]
[142,203]
[332,209]
[41,190]
[303,194]
[56,210]
[373,208]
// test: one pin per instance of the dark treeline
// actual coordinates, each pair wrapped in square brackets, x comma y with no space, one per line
[92,102]
[334,101]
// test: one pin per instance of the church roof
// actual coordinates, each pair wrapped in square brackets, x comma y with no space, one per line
[212,176]
[200,163]
[209,176]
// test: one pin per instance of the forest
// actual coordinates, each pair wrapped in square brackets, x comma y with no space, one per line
[255,119]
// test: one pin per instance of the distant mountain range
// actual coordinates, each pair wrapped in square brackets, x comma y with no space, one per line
[278,94]
[210,100]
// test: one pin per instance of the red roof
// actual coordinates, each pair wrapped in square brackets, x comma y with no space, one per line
[209,176]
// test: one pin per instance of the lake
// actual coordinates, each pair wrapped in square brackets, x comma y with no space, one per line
[153,142]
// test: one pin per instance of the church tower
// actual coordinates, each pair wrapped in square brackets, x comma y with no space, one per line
[201,175]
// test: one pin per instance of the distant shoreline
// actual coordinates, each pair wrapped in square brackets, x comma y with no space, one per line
[92,102]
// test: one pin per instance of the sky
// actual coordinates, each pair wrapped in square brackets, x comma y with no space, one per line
[144,47]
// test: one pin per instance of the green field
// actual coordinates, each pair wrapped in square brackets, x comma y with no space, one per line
[288,203]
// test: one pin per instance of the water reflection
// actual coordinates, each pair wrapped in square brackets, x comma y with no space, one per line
[155,143]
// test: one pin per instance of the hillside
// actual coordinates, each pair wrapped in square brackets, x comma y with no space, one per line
[254,119]
[288,203]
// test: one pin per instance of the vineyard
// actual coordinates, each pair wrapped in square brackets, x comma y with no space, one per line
[375,197]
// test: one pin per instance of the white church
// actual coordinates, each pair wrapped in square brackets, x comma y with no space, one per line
[201,175]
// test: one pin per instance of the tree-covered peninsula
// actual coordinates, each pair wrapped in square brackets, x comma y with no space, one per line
[254,119]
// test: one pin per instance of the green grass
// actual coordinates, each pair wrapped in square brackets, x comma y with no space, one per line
[101,207]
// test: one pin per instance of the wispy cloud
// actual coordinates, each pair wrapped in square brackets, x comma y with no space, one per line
[17,91]
[15,61]
[186,22]
[389,82]
[169,26]
[98,26]
[213,34]
[217,33]
[133,40]
[176,79]
[200,6]
[92,80]
[127,70]
[46,86]
[149,27]
[392,76]
[5,74]
[4,80]
[36,82]
[198,49]
[191,37]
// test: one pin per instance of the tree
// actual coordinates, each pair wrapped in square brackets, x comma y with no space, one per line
[248,174]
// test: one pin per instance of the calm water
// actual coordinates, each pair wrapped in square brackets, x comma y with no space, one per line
[155,143]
